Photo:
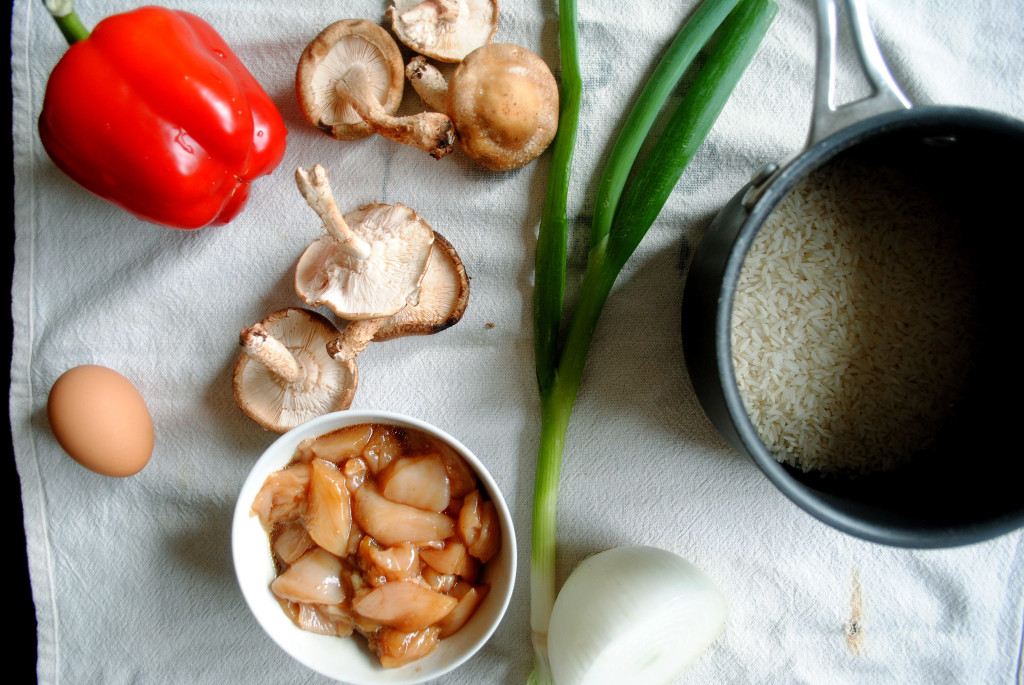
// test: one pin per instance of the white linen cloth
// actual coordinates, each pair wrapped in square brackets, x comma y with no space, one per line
[132,578]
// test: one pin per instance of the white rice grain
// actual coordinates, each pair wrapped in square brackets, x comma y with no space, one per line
[850,322]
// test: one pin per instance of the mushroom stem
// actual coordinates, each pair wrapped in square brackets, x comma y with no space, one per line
[351,342]
[428,81]
[429,131]
[270,352]
[314,186]
[443,10]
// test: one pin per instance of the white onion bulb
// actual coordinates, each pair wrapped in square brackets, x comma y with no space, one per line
[632,615]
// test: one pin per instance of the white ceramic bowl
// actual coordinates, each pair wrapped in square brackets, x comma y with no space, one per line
[349,659]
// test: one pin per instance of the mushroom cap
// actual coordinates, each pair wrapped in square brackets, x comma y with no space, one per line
[444,295]
[327,58]
[427,27]
[503,100]
[378,286]
[326,384]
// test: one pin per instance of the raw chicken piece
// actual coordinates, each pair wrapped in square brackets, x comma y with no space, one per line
[283,496]
[355,470]
[461,478]
[391,523]
[479,527]
[458,616]
[341,444]
[325,619]
[304,452]
[452,559]
[290,541]
[438,582]
[314,577]
[404,605]
[396,648]
[329,510]
[398,562]
[420,481]
[384,446]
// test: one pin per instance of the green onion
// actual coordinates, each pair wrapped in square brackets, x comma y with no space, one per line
[549,294]
[697,30]
[739,38]
[549,279]
[628,202]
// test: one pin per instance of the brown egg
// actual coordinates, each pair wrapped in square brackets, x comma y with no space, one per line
[101,420]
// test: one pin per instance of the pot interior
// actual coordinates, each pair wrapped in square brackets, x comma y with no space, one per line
[962,486]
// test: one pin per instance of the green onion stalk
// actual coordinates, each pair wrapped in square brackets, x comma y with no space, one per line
[628,202]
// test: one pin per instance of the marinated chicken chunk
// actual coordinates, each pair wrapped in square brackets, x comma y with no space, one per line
[382,531]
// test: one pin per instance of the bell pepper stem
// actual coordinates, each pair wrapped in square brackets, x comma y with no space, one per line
[63,12]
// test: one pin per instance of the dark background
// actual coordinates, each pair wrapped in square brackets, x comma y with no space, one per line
[20,642]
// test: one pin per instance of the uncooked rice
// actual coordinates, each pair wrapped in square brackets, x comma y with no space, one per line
[850,323]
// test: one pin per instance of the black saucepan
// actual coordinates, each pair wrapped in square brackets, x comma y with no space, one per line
[966,488]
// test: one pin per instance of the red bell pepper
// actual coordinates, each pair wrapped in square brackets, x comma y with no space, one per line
[155,113]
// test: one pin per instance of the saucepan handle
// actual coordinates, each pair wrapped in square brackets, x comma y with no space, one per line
[886,95]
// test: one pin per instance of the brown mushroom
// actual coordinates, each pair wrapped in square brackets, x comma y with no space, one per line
[370,263]
[349,84]
[381,268]
[502,99]
[444,295]
[446,30]
[285,375]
